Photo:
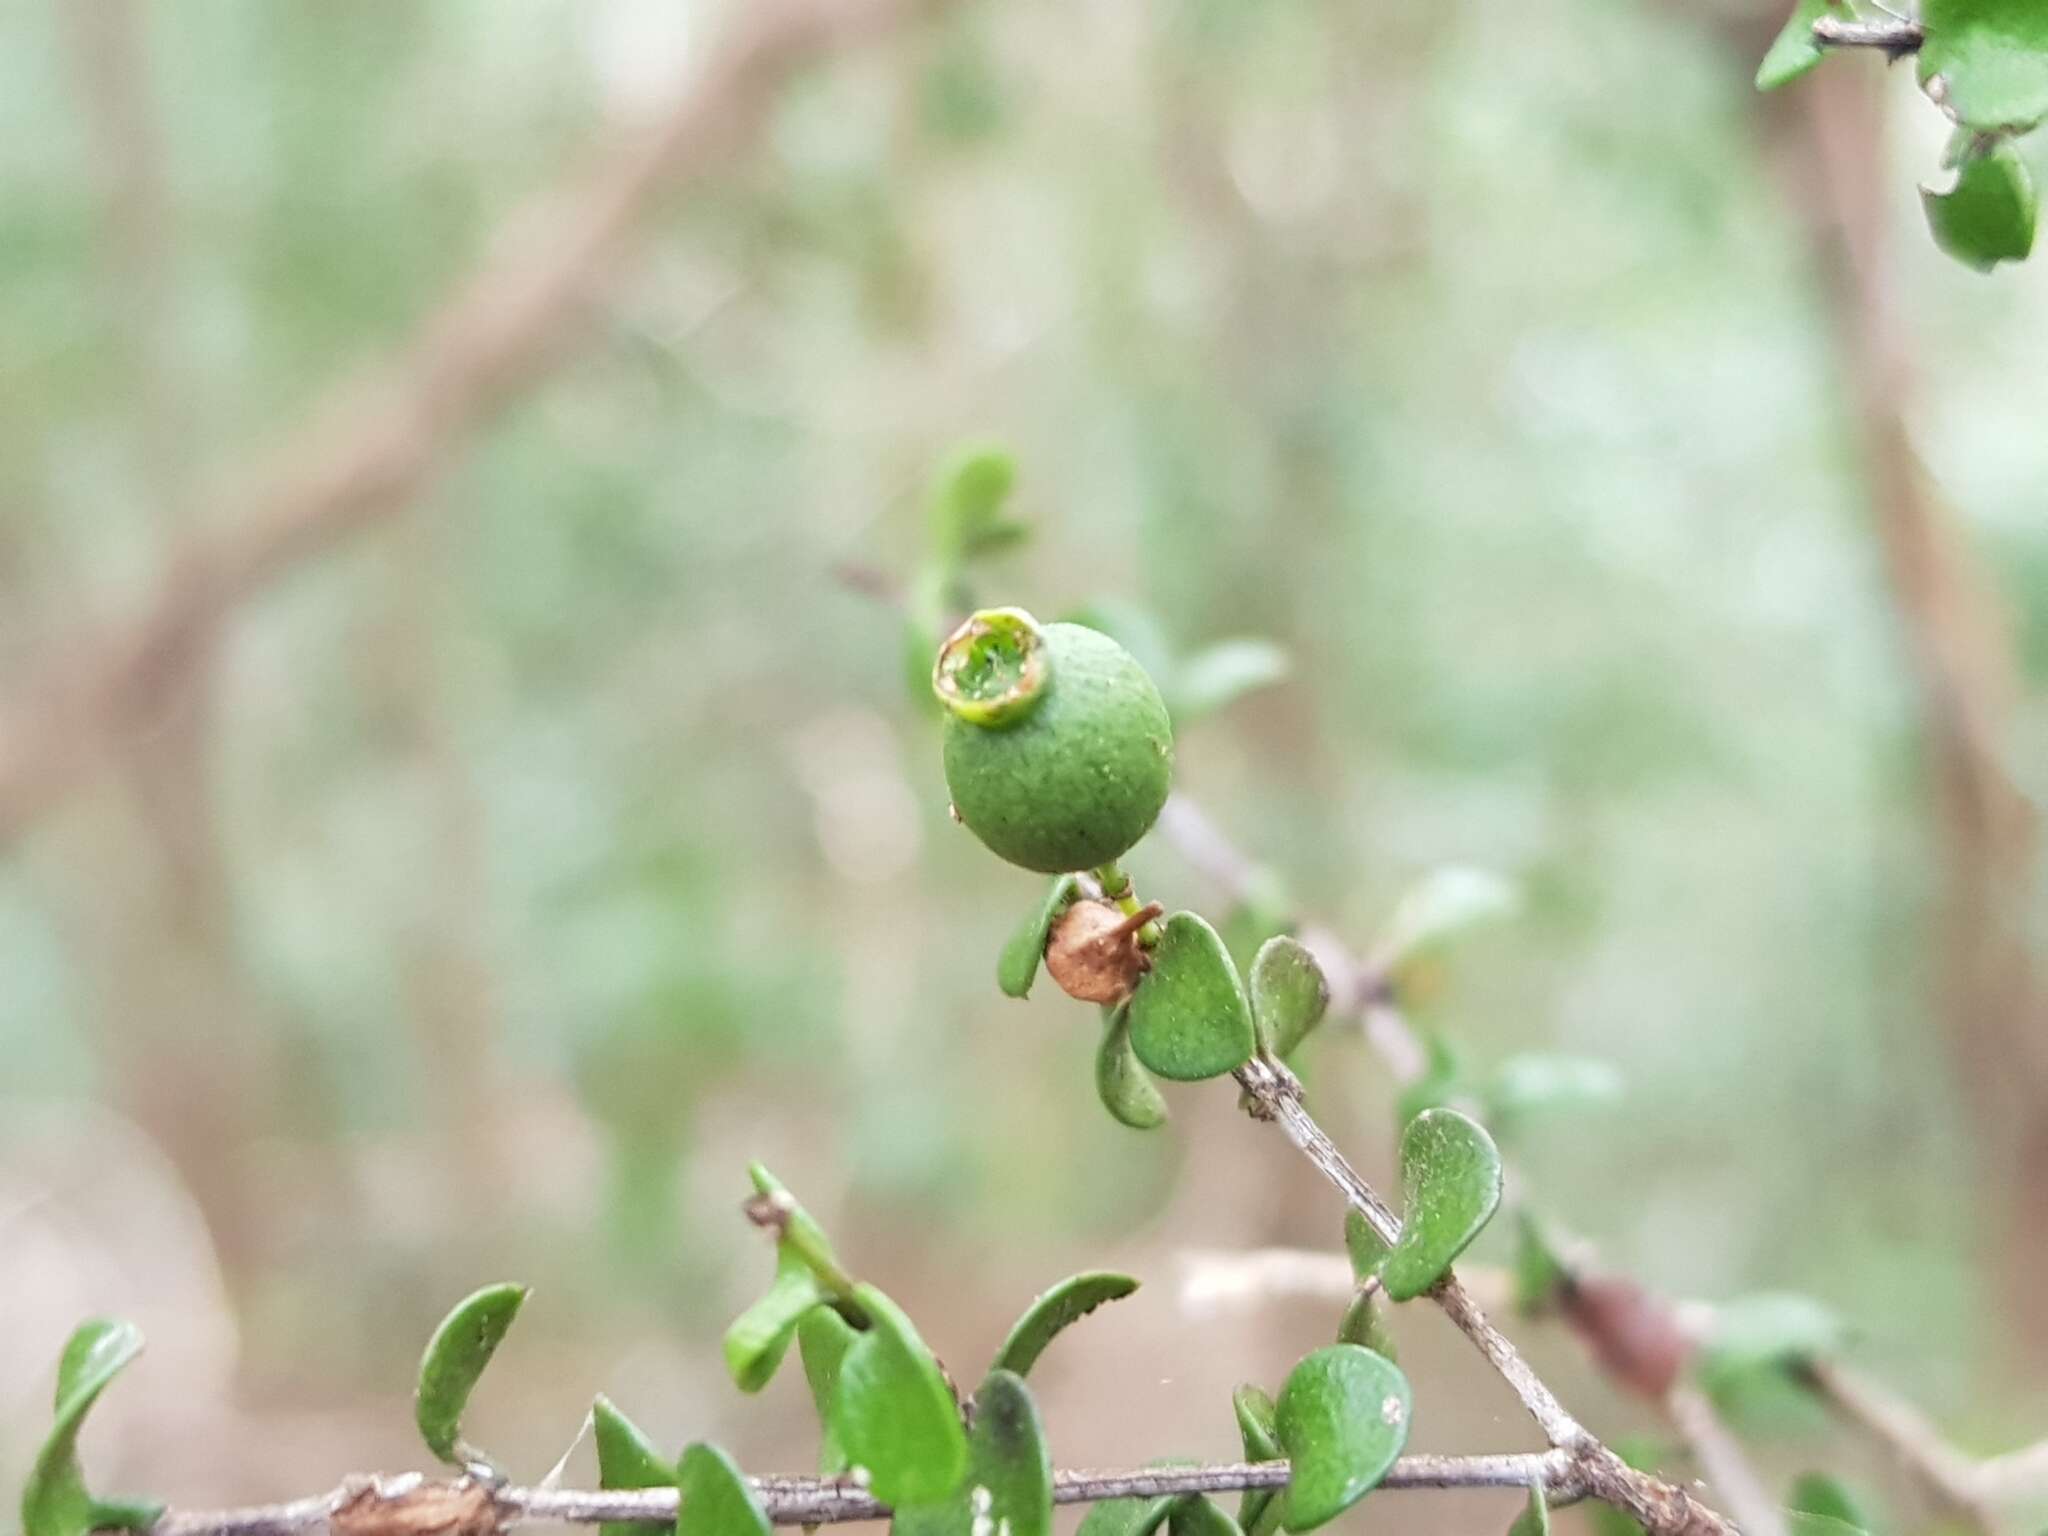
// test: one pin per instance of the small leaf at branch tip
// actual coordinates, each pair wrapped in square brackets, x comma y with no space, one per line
[1989,215]
[1451,1186]
[1796,51]
[1018,965]
[54,1501]
[454,1360]
[1534,1520]
[1289,994]
[1342,1419]
[1190,1019]
[626,1459]
[760,1336]
[1773,1331]
[1047,1316]
[715,1498]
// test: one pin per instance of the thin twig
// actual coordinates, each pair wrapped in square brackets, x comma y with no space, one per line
[1274,1095]
[375,443]
[1949,1478]
[1279,1099]
[1896,38]
[394,1506]
[1721,1458]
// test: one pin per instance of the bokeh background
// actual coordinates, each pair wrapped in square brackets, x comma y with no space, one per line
[1652,517]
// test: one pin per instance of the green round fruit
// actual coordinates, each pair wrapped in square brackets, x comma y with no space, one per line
[1058,749]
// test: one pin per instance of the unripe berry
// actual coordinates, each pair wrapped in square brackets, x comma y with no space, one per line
[1058,750]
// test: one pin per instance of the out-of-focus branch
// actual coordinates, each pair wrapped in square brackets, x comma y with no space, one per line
[1721,1458]
[415,1506]
[375,443]
[1957,1484]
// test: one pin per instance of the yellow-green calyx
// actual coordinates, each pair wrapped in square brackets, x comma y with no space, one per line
[993,668]
[1058,749]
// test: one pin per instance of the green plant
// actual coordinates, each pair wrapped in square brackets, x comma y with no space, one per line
[896,1438]
[1984,65]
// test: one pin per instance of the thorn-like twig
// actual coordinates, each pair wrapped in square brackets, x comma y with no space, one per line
[1896,39]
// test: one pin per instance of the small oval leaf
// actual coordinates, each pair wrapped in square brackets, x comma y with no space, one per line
[1541,1273]
[1127,1517]
[1365,1324]
[1451,1186]
[1988,216]
[1017,967]
[1365,1246]
[54,1501]
[1126,1091]
[1536,1083]
[1772,1331]
[1829,1498]
[124,1514]
[455,1358]
[1195,1515]
[1796,50]
[893,1412]
[1066,1303]
[1534,1520]
[966,503]
[1255,1427]
[626,1459]
[1190,1018]
[715,1499]
[1007,1455]
[823,1338]
[1441,1083]
[1289,993]
[759,1337]
[1986,61]
[1342,1418]
[1221,674]
[1441,908]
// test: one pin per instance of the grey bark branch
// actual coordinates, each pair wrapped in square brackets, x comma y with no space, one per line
[1663,1510]
[410,1505]
[1896,38]
[376,442]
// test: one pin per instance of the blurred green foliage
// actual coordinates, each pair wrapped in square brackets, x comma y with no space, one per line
[1464,351]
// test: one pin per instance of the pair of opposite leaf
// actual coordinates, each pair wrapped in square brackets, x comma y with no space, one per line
[883,1401]
[1451,1182]
[713,1497]
[1177,1008]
